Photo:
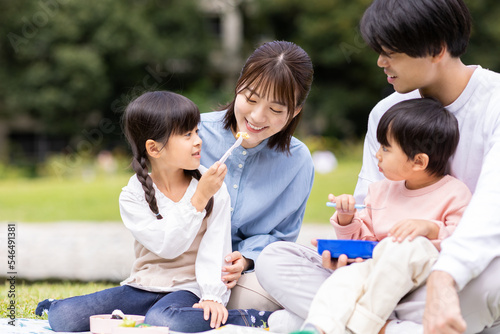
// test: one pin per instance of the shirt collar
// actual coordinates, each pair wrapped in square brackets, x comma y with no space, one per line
[468,92]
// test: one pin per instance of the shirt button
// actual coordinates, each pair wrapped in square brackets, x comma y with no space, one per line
[240,166]
[235,186]
[232,209]
[244,152]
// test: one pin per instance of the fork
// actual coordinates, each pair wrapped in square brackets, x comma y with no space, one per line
[228,152]
[356,206]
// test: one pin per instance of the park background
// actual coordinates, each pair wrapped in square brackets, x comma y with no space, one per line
[68,69]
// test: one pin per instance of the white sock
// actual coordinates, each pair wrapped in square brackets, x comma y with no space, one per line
[400,326]
[283,321]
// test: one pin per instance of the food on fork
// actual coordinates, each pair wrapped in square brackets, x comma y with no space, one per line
[245,135]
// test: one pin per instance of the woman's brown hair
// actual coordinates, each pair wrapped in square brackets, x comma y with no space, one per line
[284,70]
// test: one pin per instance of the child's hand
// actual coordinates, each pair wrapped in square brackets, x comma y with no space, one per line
[345,207]
[209,184]
[412,228]
[212,179]
[216,312]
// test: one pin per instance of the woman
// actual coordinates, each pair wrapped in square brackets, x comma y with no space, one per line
[270,175]
[178,213]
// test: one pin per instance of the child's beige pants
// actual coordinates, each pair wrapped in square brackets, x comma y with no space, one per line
[362,296]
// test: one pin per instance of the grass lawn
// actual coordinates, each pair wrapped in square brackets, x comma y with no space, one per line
[29,294]
[51,199]
[74,199]
[341,181]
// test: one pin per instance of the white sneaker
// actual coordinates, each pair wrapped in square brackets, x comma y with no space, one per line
[407,327]
[283,321]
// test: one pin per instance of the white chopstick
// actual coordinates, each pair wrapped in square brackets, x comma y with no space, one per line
[228,152]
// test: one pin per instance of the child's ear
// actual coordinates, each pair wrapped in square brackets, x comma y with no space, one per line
[420,161]
[153,148]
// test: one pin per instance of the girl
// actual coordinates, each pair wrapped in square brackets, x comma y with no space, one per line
[179,216]
[268,102]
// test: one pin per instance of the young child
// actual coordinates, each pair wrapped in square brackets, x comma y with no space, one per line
[416,203]
[179,215]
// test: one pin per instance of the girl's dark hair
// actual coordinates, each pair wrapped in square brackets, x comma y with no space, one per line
[421,126]
[157,116]
[284,70]
[418,28]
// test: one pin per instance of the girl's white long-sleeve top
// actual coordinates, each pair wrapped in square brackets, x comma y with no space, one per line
[182,251]
[474,244]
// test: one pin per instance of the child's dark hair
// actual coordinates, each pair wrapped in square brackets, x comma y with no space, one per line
[418,28]
[158,115]
[283,69]
[421,126]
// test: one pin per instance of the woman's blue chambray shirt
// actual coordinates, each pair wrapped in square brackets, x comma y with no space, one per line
[268,189]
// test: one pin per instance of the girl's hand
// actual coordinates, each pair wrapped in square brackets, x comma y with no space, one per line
[233,271]
[216,312]
[412,228]
[210,182]
[212,179]
[345,207]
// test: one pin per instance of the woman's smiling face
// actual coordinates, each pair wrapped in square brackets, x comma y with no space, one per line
[259,115]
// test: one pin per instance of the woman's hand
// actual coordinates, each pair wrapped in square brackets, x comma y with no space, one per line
[216,312]
[345,208]
[210,182]
[233,271]
[412,228]
[330,263]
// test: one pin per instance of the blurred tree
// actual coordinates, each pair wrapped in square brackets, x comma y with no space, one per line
[348,82]
[484,47]
[72,64]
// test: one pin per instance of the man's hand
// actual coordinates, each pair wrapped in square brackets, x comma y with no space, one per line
[329,263]
[233,271]
[442,308]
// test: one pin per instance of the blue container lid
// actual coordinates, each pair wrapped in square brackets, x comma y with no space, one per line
[351,248]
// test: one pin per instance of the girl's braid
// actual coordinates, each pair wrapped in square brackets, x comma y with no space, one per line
[140,167]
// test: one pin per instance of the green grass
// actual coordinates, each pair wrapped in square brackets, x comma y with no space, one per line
[52,199]
[340,181]
[27,295]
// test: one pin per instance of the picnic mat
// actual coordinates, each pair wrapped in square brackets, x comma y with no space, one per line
[38,326]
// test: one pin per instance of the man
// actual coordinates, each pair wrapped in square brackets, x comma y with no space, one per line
[419,44]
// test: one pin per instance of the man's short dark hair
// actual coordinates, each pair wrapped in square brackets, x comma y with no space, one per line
[418,28]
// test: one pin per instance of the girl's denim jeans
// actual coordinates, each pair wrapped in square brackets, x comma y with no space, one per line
[172,309]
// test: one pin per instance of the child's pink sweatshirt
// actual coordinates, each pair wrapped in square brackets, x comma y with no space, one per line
[443,202]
